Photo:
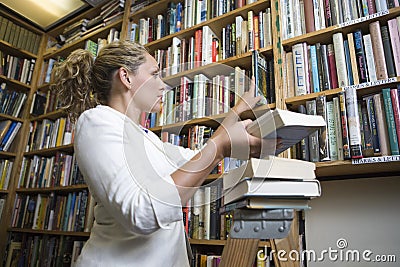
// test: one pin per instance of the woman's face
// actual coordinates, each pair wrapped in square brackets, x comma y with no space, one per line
[147,86]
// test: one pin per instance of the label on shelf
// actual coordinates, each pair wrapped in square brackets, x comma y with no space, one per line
[379,159]
[369,17]
[371,84]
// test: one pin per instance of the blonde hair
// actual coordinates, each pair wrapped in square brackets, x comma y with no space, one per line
[82,82]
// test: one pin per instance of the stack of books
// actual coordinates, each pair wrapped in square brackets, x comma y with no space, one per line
[275,182]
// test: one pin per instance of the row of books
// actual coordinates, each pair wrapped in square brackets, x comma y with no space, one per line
[52,211]
[47,133]
[204,96]
[361,58]
[181,15]
[205,260]
[44,172]
[19,36]
[11,102]
[43,103]
[304,16]
[8,131]
[17,68]
[110,12]
[356,126]
[90,45]
[43,250]
[5,173]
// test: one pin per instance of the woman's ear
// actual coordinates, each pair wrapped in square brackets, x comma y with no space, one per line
[125,78]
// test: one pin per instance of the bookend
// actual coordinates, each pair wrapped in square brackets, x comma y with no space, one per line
[249,226]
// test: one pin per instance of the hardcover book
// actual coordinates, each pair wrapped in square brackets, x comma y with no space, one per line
[290,127]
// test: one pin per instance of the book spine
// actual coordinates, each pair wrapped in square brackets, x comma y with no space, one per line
[369,57]
[387,48]
[353,123]
[314,69]
[395,41]
[378,50]
[353,59]
[299,69]
[323,133]
[360,56]
[313,138]
[340,60]
[331,125]
[344,126]
[390,120]
[381,124]
[394,93]
[309,15]
[338,128]
[325,68]
[368,147]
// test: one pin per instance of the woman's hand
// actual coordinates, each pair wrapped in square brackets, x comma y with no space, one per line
[247,101]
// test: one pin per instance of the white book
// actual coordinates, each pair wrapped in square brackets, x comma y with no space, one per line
[267,28]
[299,70]
[202,80]
[297,18]
[347,14]
[331,125]
[340,59]
[290,127]
[369,55]
[381,5]
[270,167]
[273,188]
[12,136]
[322,24]
[238,35]
[317,11]
[207,200]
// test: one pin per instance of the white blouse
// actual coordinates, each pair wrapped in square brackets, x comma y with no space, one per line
[138,216]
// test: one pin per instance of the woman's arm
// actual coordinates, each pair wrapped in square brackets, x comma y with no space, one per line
[230,140]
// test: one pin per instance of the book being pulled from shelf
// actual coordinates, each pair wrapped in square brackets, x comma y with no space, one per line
[288,126]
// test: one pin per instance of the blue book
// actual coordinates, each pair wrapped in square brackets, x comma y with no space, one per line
[348,62]
[314,69]
[8,134]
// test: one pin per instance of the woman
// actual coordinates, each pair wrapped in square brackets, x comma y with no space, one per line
[139,183]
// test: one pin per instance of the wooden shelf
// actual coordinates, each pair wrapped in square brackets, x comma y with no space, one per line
[65,50]
[47,232]
[362,89]
[50,115]
[7,47]
[16,85]
[324,36]
[3,192]
[222,67]
[8,117]
[210,121]
[7,155]
[337,170]
[47,152]
[70,188]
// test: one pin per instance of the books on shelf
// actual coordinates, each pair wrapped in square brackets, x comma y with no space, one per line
[290,127]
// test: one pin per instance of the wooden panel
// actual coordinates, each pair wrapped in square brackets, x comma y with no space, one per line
[239,252]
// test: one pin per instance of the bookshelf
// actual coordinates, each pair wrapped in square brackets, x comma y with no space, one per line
[330,170]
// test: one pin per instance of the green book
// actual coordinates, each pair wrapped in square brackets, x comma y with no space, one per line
[391,124]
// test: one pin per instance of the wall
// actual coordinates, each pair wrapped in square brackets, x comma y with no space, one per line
[365,212]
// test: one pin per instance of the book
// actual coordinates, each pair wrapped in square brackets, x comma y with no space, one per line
[270,167]
[290,127]
[353,123]
[266,203]
[273,188]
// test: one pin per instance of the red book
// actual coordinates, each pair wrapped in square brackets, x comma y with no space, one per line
[309,15]
[332,67]
[371,6]
[197,48]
